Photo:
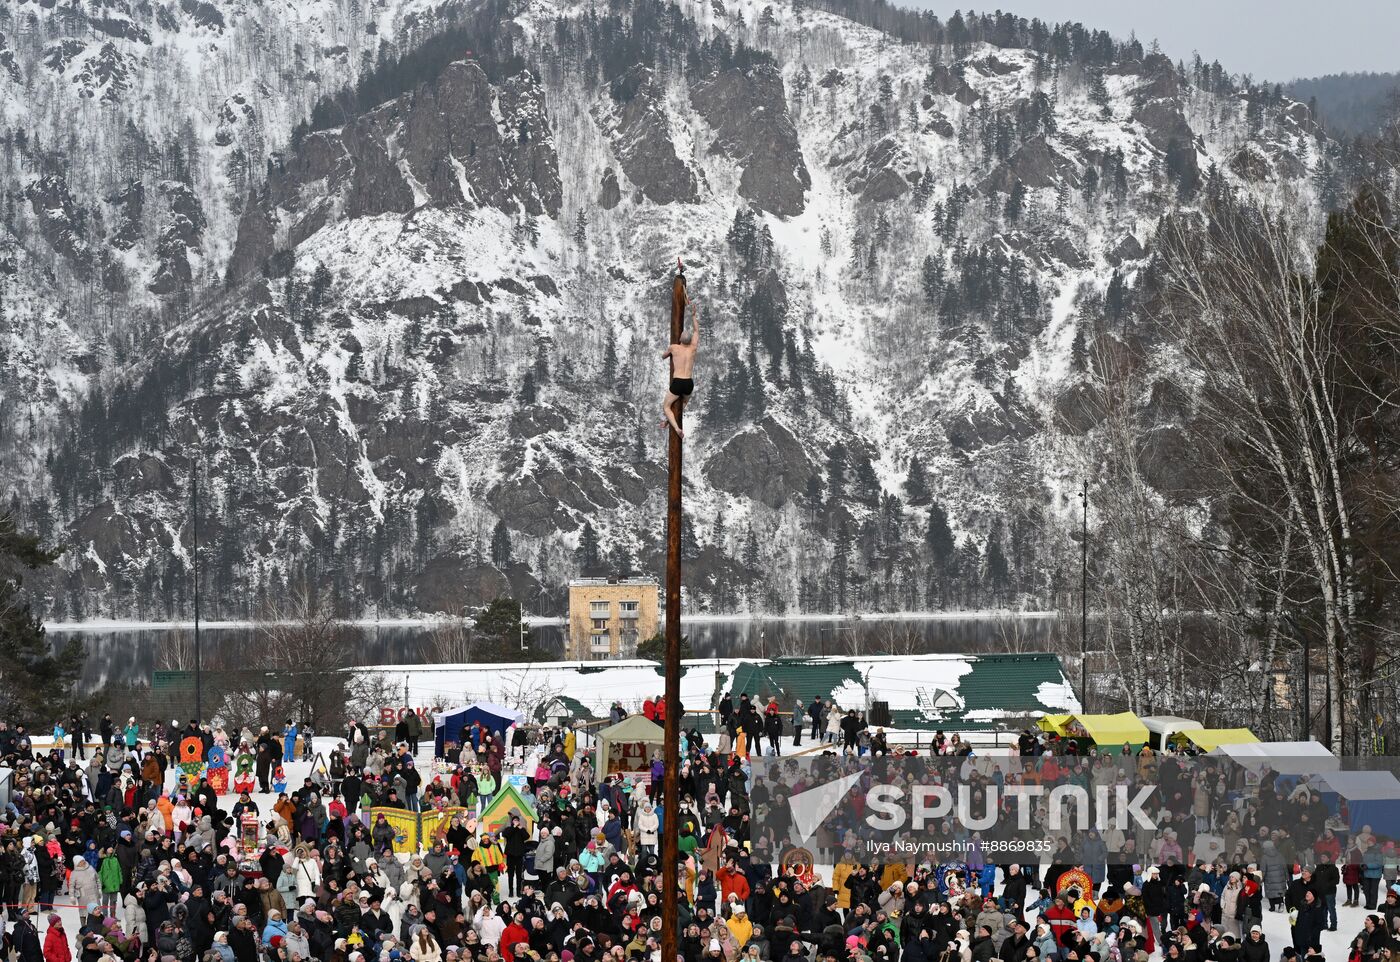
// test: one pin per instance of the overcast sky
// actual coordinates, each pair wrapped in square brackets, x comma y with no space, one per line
[1276,40]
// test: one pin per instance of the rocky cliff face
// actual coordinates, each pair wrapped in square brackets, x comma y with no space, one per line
[412,353]
[748,111]
[637,124]
[458,142]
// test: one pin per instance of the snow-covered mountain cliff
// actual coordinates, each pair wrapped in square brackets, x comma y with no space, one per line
[409,335]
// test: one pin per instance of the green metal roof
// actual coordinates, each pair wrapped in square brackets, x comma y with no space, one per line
[1003,686]
[791,678]
[569,706]
[1009,683]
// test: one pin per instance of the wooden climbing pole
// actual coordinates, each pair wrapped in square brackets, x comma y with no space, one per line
[670,786]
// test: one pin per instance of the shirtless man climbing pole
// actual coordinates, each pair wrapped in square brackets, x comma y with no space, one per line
[682,355]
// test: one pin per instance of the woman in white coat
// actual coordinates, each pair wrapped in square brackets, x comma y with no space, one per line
[648,824]
[83,883]
[1229,901]
[833,725]
[307,869]
[135,914]
[488,925]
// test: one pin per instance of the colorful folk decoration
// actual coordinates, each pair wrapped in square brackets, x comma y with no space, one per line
[497,813]
[248,832]
[191,755]
[243,780]
[217,772]
[799,863]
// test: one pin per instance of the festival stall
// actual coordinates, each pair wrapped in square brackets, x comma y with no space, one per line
[1102,730]
[458,725]
[1373,799]
[1285,758]
[1209,739]
[1163,728]
[1112,730]
[627,747]
[1055,724]
[509,801]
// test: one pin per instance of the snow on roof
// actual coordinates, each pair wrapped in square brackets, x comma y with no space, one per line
[934,688]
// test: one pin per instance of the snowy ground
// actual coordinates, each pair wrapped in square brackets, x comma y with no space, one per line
[1334,944]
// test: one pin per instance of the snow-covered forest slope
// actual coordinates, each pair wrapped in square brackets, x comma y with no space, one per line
[389,276]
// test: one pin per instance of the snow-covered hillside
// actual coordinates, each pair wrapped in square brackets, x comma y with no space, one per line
[414,352]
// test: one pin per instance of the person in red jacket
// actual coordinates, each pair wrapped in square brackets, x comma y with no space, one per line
[1061,917]
[515,932]
[732,882]
[56,948]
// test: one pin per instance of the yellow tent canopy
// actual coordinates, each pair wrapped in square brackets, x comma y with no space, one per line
[1055,724]
[1208,739]
[1114,729]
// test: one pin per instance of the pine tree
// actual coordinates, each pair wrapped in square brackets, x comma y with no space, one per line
[866,482]
[500,545]
[916,490]
[718,533]
[996,570]
[37,683]
[1015,201]
[970,568]
[1098,90]
[528,394]
[1090,188]
[836,469]
[355,367]
[610,360]
[1079,351]
[321,281]
[932,278]
[1115,298]
[541,365]
[581,230]
[938,538]
[588,555]
[841,561]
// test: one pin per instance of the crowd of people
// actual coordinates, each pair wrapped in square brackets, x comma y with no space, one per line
[162,867]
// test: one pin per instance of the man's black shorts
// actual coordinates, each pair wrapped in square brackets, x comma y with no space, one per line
[682,386]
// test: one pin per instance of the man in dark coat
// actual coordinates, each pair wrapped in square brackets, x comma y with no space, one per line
[773,727]
[1326,878]
[814,712]
[1311,922]
[25,939]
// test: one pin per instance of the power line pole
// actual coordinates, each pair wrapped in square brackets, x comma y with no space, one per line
[1084,599]
[670,784]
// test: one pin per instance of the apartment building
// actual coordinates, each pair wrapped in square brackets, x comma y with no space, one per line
[609,617]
